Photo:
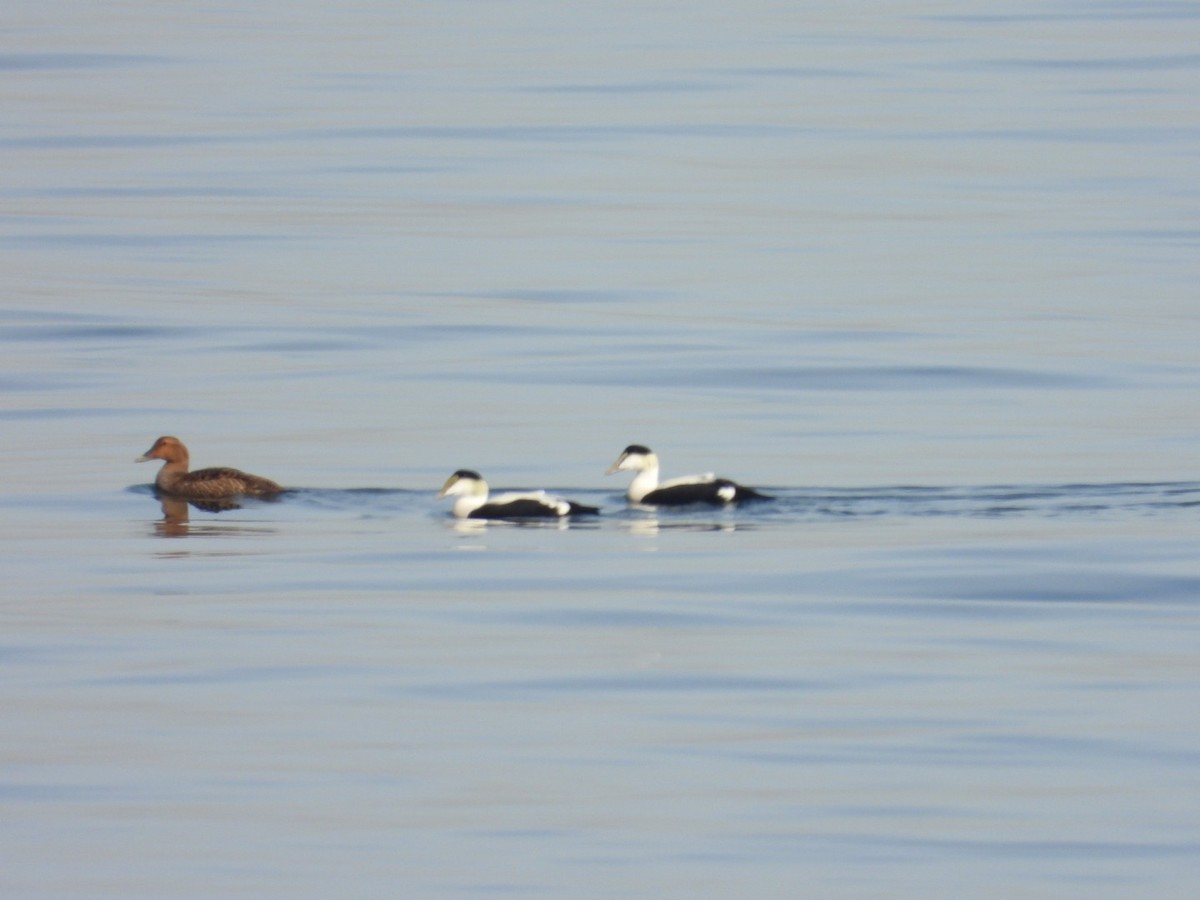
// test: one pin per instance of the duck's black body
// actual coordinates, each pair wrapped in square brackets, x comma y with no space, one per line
[718,492]
[531,508]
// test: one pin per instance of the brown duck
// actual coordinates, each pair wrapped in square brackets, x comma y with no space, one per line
[203,484]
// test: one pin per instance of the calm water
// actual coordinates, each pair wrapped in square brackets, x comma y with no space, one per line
[926,272]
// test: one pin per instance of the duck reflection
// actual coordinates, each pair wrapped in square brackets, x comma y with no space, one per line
[481,526]
[176,520]
[175,517]
[652,525]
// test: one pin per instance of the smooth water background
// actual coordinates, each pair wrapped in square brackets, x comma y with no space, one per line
[926,271]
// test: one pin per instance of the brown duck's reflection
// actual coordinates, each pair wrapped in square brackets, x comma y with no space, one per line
[176,515]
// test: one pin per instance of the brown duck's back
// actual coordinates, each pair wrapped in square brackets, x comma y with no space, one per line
[216,482]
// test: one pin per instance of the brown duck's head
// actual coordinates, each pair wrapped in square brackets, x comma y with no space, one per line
[166,448]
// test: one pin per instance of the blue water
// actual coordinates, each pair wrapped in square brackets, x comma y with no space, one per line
[926,275]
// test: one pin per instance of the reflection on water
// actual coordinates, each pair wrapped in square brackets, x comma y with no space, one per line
[176,521]
[790,506]
[481,526]
[175,517]
[651,525]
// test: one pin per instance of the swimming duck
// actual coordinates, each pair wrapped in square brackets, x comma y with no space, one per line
[473,503]
[688,489]
[203,484]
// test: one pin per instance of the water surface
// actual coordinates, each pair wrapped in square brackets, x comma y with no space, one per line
[925,274]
